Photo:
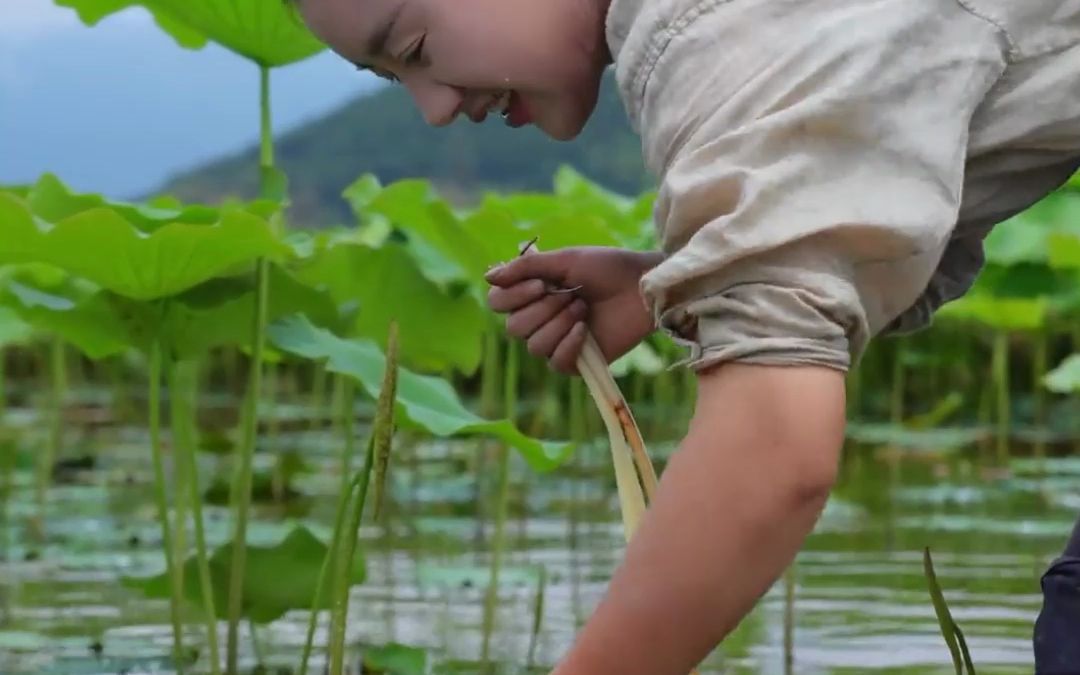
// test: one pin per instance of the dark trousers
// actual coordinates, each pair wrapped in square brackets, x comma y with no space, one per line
[1057,628]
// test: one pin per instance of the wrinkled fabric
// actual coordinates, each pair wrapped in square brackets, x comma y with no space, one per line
[1055,636]
[829,168]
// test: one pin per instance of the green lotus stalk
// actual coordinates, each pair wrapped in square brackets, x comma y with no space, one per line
[489,385]
[896,400]
[634,474]
[58,385]
[182,386]
[1038,369]
[318,394]
[510,390]
[1000,365]
[171,570]
[344,499]
[7,466]
[954,637]
[538,617]
[341,560]
[789,620]
[345,394]
[382,439]
[241,492]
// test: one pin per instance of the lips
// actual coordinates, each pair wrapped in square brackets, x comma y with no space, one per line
[516,113]
[509,105]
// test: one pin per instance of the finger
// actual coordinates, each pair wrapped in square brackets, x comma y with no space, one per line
[524,322]
[552,266]
[564,358]
[517,296]
[547,337]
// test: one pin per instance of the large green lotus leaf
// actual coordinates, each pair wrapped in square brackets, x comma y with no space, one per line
[221,311]
[438,327]
[424,402]
[642,359]
[263,31]
[1022,238]
[1065,379]
[85,319]
[51,200]
[92,11]
[1064,250]
[13,330]
[100,245]
[413,207]
[1001,313]
[277,578]
[1023,280]
[629,220]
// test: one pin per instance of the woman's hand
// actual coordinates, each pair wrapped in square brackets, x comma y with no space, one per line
[535,291]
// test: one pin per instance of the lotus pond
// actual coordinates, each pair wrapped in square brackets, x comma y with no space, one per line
[232,444]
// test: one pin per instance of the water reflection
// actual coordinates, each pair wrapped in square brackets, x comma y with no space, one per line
[861,603]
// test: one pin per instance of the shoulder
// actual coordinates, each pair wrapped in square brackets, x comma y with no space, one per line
[679,62]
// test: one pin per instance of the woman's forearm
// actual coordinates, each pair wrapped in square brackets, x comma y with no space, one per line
[733,508]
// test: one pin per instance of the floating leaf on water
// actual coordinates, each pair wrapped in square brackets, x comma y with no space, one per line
[939,440]
[394,659]
[987,525]
[425,402]
[277,578]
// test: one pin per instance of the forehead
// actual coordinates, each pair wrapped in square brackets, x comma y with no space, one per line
[347,25]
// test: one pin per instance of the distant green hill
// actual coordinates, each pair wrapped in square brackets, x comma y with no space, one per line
[383,133]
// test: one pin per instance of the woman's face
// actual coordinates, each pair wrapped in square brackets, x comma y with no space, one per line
[538,61]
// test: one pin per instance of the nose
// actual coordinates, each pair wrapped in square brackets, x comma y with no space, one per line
[439,103]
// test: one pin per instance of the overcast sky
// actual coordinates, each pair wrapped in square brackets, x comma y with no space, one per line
[119,107]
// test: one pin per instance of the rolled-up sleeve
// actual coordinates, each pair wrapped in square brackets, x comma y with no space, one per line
[811,157]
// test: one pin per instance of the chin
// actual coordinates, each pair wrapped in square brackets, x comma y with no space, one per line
[569,124]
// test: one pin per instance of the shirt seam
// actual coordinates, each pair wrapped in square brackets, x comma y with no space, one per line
[663,38]
[1014,51]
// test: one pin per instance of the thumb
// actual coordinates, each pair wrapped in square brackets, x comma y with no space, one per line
[551,266]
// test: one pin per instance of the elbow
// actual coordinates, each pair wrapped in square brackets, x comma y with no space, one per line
[810,485]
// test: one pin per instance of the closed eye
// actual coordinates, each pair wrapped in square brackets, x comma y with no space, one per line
[416,54]
[390,77]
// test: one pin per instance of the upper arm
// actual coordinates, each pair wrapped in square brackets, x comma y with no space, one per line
[811,157]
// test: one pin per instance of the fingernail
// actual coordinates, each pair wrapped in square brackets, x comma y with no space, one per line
[493,272]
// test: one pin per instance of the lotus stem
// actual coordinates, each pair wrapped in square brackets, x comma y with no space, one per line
[634,474]
[182,387]
[1001,386]
[1039,372]
[789,620]
[381,441]
[58,385]
[510,390]
[331,557]
[241,487]
[154,401]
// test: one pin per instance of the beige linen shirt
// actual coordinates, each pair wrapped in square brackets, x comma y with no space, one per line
[829,168]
